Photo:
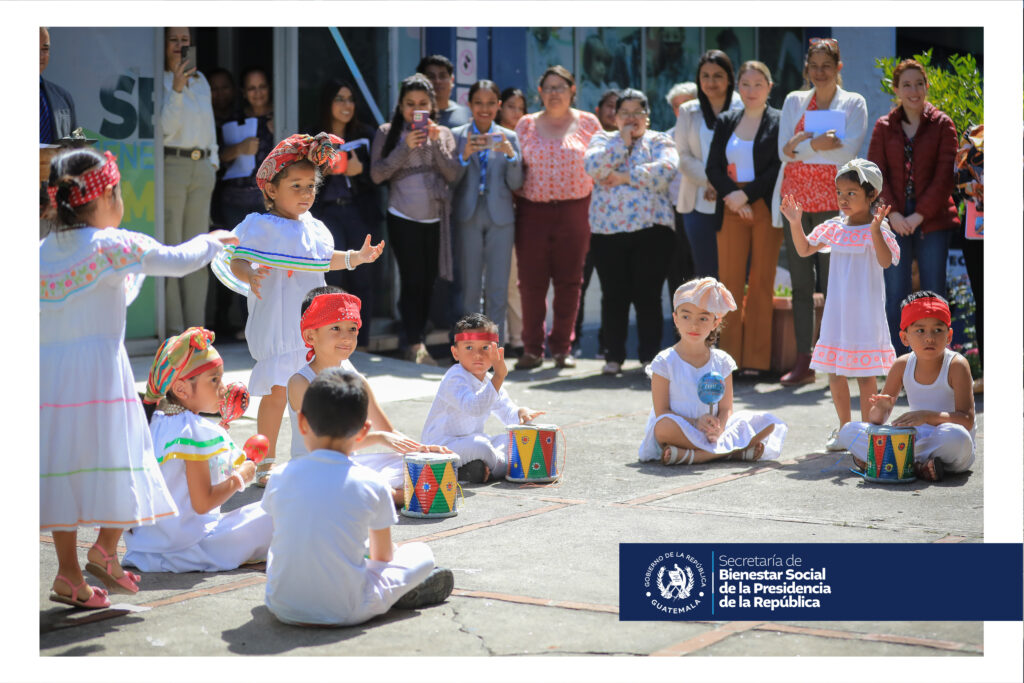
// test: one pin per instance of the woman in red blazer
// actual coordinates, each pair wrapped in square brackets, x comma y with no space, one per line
[915,145]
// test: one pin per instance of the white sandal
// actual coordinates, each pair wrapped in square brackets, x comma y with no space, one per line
[678,456]
[261,478]
[749,453]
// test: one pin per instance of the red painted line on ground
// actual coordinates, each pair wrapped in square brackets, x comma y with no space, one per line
[705,639]
[482,525]
[874,637]
[769,466]
[213,590]
[540,602]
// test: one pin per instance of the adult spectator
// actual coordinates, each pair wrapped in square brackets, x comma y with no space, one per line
[552,230]
[417,165]
[681,268]
[631,220]
[56,108]
[513,107]
[190,164]
[222,94]
[347,204]
[810,156]
[743,165]
[915,145]
[441,73]
[695,124]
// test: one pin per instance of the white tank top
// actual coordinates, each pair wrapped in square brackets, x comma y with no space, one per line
[298,447]
[740,153]
[937,396]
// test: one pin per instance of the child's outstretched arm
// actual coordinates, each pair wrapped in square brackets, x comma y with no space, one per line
[793,212]
[882,404]
[963,399]
[882,253]
[368,253]
[205,496]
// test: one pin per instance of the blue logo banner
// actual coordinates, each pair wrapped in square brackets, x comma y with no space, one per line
[821,581]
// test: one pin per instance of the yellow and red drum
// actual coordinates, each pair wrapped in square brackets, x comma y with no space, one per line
[890,454]
[430,485]
[532,453]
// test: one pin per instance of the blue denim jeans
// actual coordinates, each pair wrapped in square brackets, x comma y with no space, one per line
[931,251]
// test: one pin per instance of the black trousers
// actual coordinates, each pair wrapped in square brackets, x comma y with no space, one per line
[415,246]
[632,267]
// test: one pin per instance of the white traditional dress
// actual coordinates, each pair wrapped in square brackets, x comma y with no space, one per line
[741,427]
[96,462]
[193,542]
[854,339]
[298,253]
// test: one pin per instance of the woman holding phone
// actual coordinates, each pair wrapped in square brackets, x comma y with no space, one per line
[490,169]
[552,230]
[190,167]
[810,153]
[416,158]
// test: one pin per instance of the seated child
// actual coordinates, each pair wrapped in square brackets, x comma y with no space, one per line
[939,391]
[325,509]
[330,325]
[197,459]
[681,428]
[467,395]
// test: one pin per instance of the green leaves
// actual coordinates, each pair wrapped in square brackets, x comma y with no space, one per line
[957,91]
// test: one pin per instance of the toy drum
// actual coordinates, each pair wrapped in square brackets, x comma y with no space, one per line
[430,485]
[890,454]
[532,453]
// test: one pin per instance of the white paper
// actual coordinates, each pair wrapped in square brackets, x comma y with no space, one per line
[819,122]
[234,132]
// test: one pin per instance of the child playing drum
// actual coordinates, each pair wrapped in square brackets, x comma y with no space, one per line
[938,383]
[467,395]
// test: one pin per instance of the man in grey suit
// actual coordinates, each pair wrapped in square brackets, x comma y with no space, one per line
[56,108]
[482,209]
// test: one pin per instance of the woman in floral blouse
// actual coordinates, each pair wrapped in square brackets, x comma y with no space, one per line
[631,218]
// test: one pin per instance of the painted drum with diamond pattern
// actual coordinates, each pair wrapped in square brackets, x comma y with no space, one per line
[430,485]
[532,453]
[890,454]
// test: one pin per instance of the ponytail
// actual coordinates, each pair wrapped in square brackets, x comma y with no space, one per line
[65,170]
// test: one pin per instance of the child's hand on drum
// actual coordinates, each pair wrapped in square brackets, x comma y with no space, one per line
[400,443]
[914,418]
[434,448]
[710,425]
[528,415]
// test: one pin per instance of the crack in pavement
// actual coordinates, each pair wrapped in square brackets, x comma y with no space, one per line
[464,629]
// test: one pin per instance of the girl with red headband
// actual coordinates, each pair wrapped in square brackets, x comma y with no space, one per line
[96,461]
[939,390]
[281,255]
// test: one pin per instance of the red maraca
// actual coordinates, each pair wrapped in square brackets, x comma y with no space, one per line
[234,403]
[255,448]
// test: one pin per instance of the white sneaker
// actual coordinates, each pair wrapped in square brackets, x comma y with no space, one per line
[611,368]
[831,445]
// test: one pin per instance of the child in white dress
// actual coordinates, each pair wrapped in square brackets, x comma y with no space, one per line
[466,397]
[681,428]
[939,390]
[330,325]
[281,255]
[200,465]
[96,461]
[327,510]
[854,339]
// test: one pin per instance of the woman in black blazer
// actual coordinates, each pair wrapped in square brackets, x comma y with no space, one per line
[743,164]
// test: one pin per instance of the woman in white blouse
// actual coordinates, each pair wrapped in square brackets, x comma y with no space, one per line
[190,166]
[693,132]
[809,163]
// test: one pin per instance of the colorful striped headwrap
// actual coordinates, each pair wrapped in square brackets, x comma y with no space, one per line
[181,357]
[90,184]
[327,309]
[321,150]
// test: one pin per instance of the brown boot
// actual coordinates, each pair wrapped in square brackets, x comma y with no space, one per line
[801,372]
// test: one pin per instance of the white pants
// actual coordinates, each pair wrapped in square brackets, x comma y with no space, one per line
[950,443]
[490,449]
[389,464]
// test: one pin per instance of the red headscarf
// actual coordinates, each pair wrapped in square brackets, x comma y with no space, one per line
[925,307]
[327,309]
[93,181]
[321,150]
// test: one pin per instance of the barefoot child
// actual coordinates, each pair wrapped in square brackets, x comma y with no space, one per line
[330,325]
[325,508]
[681,430]
[854,338]
[281,255]
[197,459]
[467,396]
[95,452]
[939,391]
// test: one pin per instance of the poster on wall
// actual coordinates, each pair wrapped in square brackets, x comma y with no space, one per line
[607,59]
[109,73]
[672,55]
[545,47]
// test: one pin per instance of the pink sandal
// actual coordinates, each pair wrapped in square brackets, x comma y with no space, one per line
[98,599]
[126,584]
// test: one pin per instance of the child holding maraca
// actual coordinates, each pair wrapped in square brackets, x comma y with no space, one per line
[201,465]
[682,429]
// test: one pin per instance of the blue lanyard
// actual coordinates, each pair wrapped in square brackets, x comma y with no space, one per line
[484,156]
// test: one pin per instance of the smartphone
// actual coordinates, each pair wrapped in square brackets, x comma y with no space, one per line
[419,119]
[189,57]
[495,141]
